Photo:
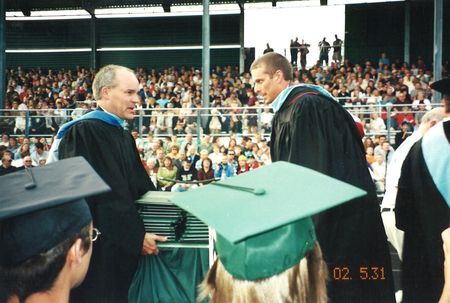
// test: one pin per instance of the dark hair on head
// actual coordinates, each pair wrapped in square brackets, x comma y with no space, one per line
[272,62]
[39,145]
[209,160]
[39,273]
[168,158]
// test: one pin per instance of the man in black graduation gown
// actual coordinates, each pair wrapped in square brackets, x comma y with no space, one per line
[111,151]
[422,210]
[312,129]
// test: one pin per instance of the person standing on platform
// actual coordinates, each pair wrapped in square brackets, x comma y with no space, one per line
[268,49]
[324,47]
[303,52]
[312,129]
[294,46]
[337,50]
[101,138]
[422,210]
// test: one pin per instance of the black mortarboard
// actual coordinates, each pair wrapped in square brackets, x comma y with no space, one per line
[44,206]
[442,86]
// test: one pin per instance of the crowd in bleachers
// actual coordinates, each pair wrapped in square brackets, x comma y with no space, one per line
[383,95]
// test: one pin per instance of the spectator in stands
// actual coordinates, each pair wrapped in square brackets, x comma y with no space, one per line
[187,173]
[6,166]
[174,150]
[206,143]
[192,154]
[215,124]
[215,156]
[266,119]
[60,114]
[231,154]
[13,147]
[24,150]
[38,153]
[5,140]
[203,155]
[401,136]
[27,162]
[384,60]
[79,111]
[188,140]
[152,171]
[377,143]
[242,165]
[376,125]
[379,173]
[223,169]
[168,171]
[252,163]
[370,157]
[206,173]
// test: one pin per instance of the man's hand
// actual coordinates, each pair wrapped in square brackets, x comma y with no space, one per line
[149,246]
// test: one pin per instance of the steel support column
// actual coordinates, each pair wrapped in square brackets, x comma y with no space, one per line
[2,54]
[437,51]
[205,59]
[406,54]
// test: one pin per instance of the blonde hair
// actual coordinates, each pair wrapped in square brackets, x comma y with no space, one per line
[302,283]
[106,77]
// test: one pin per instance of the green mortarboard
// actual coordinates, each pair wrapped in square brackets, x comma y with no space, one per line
[262,217]
[44,206]
[442,86]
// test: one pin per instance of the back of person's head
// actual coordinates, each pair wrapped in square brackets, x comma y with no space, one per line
[436,114]
[39,273]
[39,145]
[303,282]
[46,230]
[272,62]
[106,77]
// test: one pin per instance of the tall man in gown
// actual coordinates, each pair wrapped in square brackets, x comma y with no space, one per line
[101,138]
[422,208]
[312,129]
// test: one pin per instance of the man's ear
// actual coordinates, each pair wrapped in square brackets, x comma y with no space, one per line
[104,93]
[75,253]
[279,75]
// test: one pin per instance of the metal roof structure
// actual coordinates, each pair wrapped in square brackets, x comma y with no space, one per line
[17,5]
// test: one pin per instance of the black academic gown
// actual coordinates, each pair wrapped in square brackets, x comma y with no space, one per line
[112,153]
[422,213]
[317,132]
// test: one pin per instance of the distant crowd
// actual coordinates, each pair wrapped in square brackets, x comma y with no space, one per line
[383,95]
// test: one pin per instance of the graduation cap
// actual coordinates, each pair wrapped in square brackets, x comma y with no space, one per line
[262,218]
[442,86]
[44,206]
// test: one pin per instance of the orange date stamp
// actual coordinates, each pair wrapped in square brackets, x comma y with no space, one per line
[368,273]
